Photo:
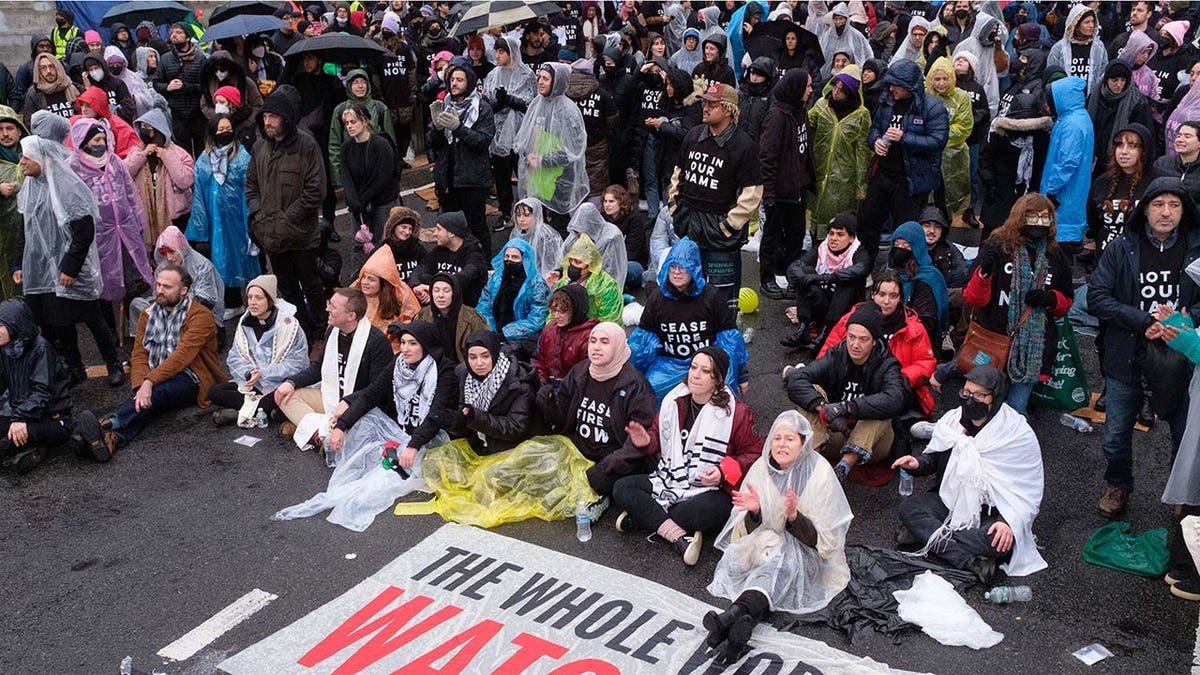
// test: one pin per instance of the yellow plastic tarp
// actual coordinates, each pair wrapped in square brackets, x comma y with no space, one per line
[544,477]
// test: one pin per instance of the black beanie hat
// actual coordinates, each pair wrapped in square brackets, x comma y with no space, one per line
[455,223]
[846,220]
[719,358]
[869,316]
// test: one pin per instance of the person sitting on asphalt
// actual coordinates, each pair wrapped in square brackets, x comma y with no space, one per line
[923,285]
[851,394]
[686,315]
[989,485]
[35,406]
[268,346]
[457,253]
[354,355]
[705,443]
[514,300]
[593,406]
[547,243]
[452,319]
[564,339]
[784,545]
[174,358]
[389,299]
[495,401]
[400,235]
[582,265]
[945,256]
[828,280]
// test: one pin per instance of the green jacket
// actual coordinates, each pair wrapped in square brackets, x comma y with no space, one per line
[12,225]
[381,123]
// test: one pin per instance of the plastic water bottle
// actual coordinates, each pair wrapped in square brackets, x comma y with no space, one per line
[1002,594]
[260,419]
[330,455]
[748,335]
[127,665]
[583,522]
[905,484]
[1072,422]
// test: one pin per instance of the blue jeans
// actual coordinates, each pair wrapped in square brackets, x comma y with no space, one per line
[1123,403]
[650,176]
[178,392]
[633,277]
[1018,396]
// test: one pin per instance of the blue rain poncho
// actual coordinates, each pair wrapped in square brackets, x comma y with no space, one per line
[219,216]
[529,307]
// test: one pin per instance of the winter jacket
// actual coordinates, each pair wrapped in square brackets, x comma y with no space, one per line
[949,261]
[32,385]
[529,305]
[381,123]
[196,351]
[1188,174]
[275,362]
[12,224]
[627,397]
[845,286]
[164,184]
[1060,53]
[744,446]
[637,236]
[956,158]
[379,394]
[237,78]
[998,160]
[119,100]
[911,347]
[560,348]
[376,363]
[320,93]
[840,157]
[464,162]
[1113,289]
[285,184]
[469,321]
[24,77]
[1068,178]
[185,101]
[508,418]
[785,156]
[124,137]
[755,99]
[679,118]
[926,128]
[720,71]
[599,114]
[883,382]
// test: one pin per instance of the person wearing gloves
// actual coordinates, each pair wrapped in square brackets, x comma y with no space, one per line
[365,158]
[389,299]
[509,88]
[552,146]
[785,158]
[607,237]
[988,465]
[163,173]
[1068,178]
[268,347]
[909,133]
[452,320]
[376,116]
[582,265]
[564,340]
[705,443]
[956,157]
[545,241]
[783,548]
[838,124]
[715,188]
[1021,283]
[460,136]
[495,401]
[92,104]
[685,316]
[594,405]
[827,281]
[514,300]
[457,253]
[1080,53]
[851,394]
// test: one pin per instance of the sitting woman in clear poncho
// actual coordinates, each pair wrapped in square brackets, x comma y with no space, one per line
[784,544]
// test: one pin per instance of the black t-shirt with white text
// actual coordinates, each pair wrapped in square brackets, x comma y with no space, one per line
[1161,270]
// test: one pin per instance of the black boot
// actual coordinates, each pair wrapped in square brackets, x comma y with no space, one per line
[78,375]
[737,644]
[718,625]
[116,375]
[1101,401]
[1146,414]
[772,290]
[799,340]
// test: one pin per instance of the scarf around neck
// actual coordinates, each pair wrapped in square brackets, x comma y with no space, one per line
[681,462]
[163,326]
[829,262]
[413,388]
[466,110]
[478,392]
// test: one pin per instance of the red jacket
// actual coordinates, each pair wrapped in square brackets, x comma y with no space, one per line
[910,345]
[559,351]
[745,446]
[124,137]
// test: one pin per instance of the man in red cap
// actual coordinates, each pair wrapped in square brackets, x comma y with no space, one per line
[715,188]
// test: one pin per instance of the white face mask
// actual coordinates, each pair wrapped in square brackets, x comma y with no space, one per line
[222,75]
[221,109]
[259,52]
[96,74]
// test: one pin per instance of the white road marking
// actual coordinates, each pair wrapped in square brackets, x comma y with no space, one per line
[1196,650]
[220,623]
[403,193]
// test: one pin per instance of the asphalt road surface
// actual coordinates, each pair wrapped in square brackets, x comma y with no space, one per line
[104,561]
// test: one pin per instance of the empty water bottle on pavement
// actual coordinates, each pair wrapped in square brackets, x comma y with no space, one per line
[330,455]
[127,665]
[1002,594]
[905,484]
[583,522]
[748,335]
[260,419]
[1072,422]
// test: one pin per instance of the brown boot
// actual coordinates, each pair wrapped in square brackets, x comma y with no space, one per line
[287,429]
[1112,501]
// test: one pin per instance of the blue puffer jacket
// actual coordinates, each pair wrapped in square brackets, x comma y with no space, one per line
[1068,174]
[529,308]
[926,127]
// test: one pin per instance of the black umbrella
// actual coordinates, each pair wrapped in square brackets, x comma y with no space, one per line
[807,44]
[229,10]
[481,15]
[158,11]
[338,47]
[243,25]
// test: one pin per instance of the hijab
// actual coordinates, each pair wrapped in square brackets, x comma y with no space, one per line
[602,372]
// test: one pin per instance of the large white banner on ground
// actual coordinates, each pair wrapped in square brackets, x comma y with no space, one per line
[466,600]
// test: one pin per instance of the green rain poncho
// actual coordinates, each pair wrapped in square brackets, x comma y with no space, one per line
[840,157]
[605,302]
[956,158]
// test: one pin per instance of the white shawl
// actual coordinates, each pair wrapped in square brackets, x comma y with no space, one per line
[1000,466]
[331,393]
[680,463]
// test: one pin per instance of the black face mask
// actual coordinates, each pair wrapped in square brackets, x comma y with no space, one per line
[224,138]
[1034,233]
[96,150]
[147,136]
[574,273]
[61,22]
[900,257]
[974,410]
[514,268]
[961,14]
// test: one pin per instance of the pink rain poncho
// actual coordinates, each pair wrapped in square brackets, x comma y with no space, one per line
[119,229]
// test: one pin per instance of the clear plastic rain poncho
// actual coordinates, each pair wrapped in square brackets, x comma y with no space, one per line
[849,41]
[49,203]
[546,242]
[517,79]
[606,236]
[551,145]
[905,48]
[985,55]
[206,283]
[1187,110]
[794,577]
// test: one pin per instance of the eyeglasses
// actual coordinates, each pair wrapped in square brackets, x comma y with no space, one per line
[978,396]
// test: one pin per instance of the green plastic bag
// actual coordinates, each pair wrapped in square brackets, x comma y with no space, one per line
[543,180]
[1067,389]
[1112,546]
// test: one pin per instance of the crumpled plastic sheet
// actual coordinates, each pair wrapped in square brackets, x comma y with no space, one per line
[943,614]
[867,603]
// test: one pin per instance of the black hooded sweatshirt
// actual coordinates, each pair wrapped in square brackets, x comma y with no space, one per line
[467,265]
[785,156]
[754,99]
[33,388]
[719,71]
[1110,205]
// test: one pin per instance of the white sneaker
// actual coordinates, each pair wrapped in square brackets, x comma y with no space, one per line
[788,369]
[922,431]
